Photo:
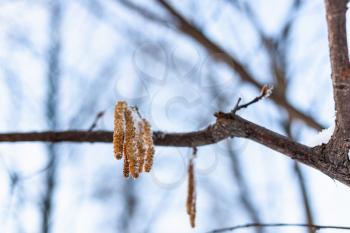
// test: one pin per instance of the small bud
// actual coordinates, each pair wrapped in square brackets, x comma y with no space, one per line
[266,90]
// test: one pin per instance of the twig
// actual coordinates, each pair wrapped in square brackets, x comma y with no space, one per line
[137,111]
[265,92]
[194,152]
[144,12]
[97,118]
[317,227]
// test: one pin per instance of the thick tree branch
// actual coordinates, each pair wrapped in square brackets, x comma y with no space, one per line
[336,21]
[183,25]
[226,126]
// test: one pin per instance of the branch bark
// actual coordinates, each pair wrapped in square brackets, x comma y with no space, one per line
[336,21]
[226,126]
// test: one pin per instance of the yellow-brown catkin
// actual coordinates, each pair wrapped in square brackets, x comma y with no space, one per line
[140,147]
[130,143]
[191,195]
[126,170]
[118,135]
[147,137]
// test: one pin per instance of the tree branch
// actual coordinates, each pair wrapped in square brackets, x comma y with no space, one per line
[145,13]
[317,227]
[336,21]
[226,126]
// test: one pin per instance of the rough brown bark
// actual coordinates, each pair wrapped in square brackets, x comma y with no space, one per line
[336,21]
[334,155]
[226,126]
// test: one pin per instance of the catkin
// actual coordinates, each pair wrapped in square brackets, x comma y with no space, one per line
[132,140]
[118,135]
[129,142]
[191,195]
[126,170]
[149,146]
[140,148]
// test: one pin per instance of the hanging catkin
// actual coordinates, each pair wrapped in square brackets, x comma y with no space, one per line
[126,170]
[191,195]
[149,146]
[118,135]
[140,147]
[130,142]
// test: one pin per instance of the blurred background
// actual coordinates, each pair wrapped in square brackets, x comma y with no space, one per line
[64,62]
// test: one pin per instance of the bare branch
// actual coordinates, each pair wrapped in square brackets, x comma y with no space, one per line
[317,227]
[266,91]
[226,126]
[143,12]
[336,21]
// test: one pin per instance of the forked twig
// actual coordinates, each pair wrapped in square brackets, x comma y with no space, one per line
[264,93]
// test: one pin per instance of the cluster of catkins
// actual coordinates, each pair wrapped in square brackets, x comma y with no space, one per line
[132,139]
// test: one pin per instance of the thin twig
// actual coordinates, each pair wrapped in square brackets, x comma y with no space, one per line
[194,152]
[249,225]
[97,118]
[265,92]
